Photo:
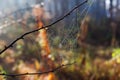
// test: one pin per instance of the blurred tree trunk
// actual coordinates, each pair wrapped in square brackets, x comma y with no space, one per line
[111,9]
[83,32]
[42,39]
[64,5]
[63,8]
[113,25]
[42,34]
[82,38]
[58,7]
[98,11]
[38,1]
[118,2]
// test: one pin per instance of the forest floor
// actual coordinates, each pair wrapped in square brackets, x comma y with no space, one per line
[95,64]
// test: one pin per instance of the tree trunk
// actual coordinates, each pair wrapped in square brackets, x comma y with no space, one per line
[113,25]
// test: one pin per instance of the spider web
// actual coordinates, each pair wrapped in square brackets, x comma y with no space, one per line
[65,42]
[62,37]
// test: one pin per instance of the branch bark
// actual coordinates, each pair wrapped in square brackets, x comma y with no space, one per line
[48,26]
[37,73]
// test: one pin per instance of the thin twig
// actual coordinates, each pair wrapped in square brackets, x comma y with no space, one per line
[37,73]
[22,36]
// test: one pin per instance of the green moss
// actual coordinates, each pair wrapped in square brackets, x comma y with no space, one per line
[116,52]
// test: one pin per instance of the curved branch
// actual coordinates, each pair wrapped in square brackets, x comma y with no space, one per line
[22,36]
[37,73]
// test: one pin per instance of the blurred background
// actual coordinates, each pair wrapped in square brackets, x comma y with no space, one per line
[89,36]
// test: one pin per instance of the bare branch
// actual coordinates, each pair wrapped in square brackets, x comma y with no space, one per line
[22,36]
[37,73]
